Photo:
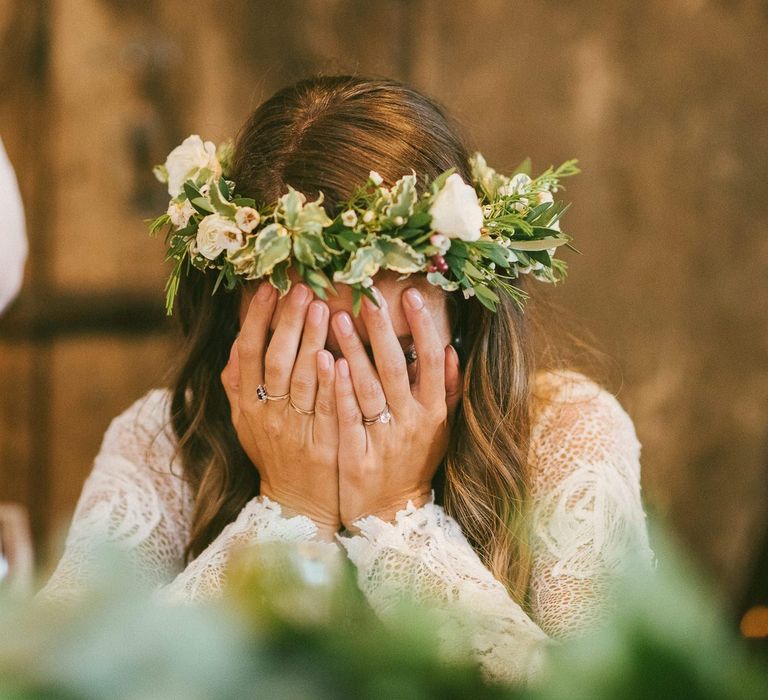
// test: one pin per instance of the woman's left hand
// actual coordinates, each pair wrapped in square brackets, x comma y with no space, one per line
[384,464]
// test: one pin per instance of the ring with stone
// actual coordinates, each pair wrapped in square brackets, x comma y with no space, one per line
[384,417]
[263,395]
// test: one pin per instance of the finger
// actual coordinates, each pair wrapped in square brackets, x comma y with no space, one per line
[230,379]
[252,340]
[452,380]
[429,388]
[284,344]
[367,387]
[326,424]
[352,438]
[387,352]
[304,376]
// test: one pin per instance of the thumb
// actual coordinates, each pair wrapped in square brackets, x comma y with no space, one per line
[453,384]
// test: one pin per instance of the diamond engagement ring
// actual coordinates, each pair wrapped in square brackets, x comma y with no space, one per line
[384,417]
[263,395]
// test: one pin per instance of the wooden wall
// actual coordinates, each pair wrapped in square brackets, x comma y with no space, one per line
[663,102]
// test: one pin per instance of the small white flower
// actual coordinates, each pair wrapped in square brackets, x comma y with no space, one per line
[180,213]
[517,185]
[441,242]
[455,211]
[468,292]
[247,218]
[375,177]
[487,210]
[368,216]
[545,196]
[186,160]
[349,218]
[367,282]
[398,221]
[217,234]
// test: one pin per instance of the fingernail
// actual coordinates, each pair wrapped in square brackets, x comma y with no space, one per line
[264,291]
[300,293]
[343,368]
[344,323]
[414,299]
[323,361]
[315,313]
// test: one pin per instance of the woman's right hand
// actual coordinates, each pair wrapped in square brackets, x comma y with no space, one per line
[295,454]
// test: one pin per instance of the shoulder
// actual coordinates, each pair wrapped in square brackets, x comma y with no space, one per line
[567,402]
[140,444]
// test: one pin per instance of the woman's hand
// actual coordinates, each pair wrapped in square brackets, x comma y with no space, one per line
[383,465]
[294,450]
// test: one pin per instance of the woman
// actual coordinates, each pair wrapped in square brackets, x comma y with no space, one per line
[418,434]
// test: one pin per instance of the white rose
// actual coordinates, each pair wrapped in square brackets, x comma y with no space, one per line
[216,234]
[247,219]
[455,211]
[186,160]
[349,218]
[180,213]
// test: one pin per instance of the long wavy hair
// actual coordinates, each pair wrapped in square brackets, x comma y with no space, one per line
[326,133]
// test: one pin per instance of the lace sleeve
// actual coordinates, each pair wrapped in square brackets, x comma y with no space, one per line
[424,555]
[587,515]
[136,498]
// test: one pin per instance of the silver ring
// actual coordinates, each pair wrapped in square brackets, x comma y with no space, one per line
[263,395]
[384,417]
[298,409]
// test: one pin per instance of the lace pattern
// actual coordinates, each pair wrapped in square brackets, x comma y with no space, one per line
[587,515]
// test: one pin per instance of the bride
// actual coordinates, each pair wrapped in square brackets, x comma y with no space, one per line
[403,421]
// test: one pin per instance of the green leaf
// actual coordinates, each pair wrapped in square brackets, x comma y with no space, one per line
[224,188]
[399,256]
[190,190]
[244,202]
[404,197]
[439,182]
[363,263]
[497,253]
[220,204]
[539,243]
[219,279]
[419,220]
[273,245]
[292,205]
[523,167]
[441,280]
[357,300]
[202,205]
[279,278]
[312,218]
[486,297]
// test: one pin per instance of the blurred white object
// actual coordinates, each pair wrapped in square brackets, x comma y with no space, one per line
[13,238]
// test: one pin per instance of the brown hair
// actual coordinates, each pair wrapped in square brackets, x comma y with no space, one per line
[326,133]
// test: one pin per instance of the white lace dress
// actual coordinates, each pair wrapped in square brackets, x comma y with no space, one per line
[587,517]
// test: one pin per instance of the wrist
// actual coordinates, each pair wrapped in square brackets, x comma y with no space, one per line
[388,513]
[327,526]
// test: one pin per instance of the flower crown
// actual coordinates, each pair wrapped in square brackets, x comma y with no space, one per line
[477,238]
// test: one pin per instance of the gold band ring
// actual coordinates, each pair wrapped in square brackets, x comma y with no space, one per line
[303,411]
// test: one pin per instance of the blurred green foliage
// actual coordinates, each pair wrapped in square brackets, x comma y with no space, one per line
[289,630]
